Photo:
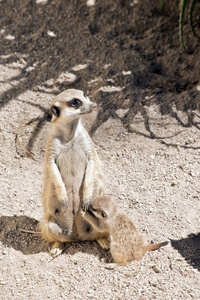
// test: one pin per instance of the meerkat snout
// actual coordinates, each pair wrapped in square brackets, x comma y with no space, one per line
[94,105]
[88,108]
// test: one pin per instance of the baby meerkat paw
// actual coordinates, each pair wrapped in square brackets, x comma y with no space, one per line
[101,191]
[104,243]
[82,212]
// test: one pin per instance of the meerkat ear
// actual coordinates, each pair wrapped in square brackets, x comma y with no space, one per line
[84,94]
[55,110]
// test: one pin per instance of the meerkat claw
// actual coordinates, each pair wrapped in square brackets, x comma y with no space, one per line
[86,205]
[82,212]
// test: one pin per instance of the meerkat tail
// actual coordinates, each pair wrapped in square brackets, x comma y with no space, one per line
[153,247]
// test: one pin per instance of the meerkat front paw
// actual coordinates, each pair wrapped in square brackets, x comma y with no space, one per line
[64,203]
[87,202]
[104,243]
[63,199]
[82,212]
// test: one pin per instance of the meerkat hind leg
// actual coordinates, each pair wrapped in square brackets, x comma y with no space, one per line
[104,243]
[57,248]
[118,257]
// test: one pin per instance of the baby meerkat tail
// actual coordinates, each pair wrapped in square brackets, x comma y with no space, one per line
[153,247]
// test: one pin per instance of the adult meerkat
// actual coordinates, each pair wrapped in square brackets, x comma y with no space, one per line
[72,169]
[126,243]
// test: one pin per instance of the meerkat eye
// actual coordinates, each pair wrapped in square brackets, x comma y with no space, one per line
[74,103]
[55,110]
[103,214]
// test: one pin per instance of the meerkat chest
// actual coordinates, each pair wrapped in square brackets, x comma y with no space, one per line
[72,161]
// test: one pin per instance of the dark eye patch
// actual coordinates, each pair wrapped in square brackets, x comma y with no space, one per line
[74,103]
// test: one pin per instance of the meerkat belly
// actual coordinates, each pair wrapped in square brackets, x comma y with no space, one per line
[72,163]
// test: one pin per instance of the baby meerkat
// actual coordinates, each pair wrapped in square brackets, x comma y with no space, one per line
[72,169]
[126,243]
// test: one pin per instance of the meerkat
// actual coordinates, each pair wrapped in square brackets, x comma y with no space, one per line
[72,171]
[126,242]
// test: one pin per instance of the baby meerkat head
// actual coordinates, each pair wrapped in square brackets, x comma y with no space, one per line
[70,104]
[103,207]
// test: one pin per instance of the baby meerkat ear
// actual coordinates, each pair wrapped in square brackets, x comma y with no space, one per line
[55,110]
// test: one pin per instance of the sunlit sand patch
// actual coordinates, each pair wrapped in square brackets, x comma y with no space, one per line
[94,81]
[49,82]
[79,67]
[90,3]
[51,33]
[110,89]
[126,73]
[41,1]
[121,112]
[29,69]
[17,55]
[106,66]
[6,56]
[66,77]
[9,37]
[111,80]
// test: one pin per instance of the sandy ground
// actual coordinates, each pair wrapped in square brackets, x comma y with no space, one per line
[150,150]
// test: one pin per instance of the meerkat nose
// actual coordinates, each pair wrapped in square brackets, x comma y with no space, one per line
[94,105]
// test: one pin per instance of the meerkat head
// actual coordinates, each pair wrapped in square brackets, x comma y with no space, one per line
[70,104]
[103,207]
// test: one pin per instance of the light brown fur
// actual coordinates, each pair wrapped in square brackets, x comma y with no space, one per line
[72,169]
[126,242]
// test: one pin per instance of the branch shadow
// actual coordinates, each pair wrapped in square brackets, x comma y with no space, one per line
[189,248]
[111,38]
[109,110]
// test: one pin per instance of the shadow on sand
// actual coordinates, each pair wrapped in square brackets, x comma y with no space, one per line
[189,248]
[27,243]
[45,42]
